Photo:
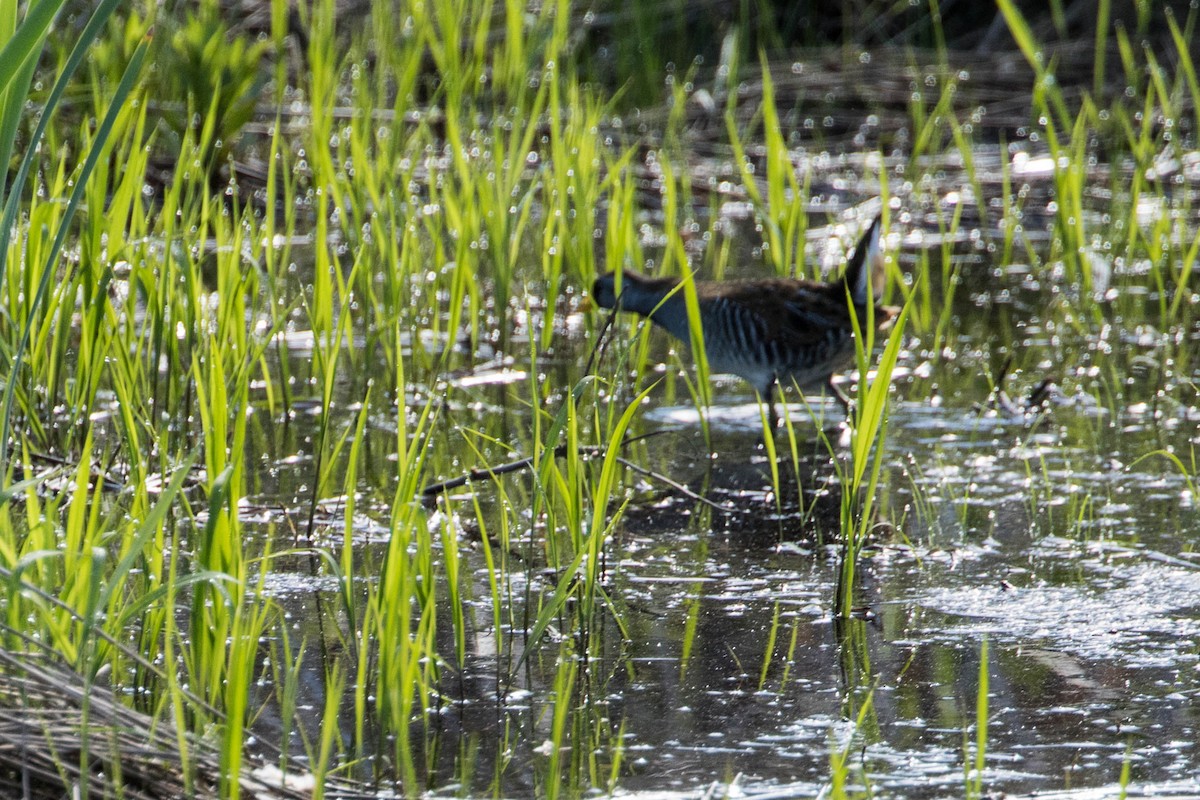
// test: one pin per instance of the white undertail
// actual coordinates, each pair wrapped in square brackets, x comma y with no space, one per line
[867,287]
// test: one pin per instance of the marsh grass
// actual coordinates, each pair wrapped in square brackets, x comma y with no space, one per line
[861,475]
[841,757]
[435,190]
[975,762]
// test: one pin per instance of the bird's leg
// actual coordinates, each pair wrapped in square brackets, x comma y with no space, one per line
[840,396]
[768,397]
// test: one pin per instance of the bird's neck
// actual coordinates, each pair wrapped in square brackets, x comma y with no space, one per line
[654,298]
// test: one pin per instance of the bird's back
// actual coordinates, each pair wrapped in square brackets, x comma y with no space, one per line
[795,329]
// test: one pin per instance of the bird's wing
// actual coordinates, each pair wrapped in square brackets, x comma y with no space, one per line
[792,312]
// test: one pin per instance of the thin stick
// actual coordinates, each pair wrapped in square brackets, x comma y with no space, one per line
[593,356]
[679,487]
[430,492]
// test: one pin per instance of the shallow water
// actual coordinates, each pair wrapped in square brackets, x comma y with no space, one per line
[1057,537]
[1080,573]
[1093,651]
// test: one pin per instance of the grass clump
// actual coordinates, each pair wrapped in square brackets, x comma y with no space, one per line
[214,385]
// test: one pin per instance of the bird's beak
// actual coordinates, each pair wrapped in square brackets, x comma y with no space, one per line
[586,305]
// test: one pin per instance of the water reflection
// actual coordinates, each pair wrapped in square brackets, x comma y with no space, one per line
[728,662]
[718,656]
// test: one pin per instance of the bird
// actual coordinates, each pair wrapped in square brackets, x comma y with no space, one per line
[768,330]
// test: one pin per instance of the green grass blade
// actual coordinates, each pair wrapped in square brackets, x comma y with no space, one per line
[89,33]
[26,41]
[103,132]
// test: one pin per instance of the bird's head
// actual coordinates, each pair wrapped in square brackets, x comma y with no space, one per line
[604,290]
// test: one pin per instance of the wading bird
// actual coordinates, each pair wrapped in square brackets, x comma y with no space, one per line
[768,330]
